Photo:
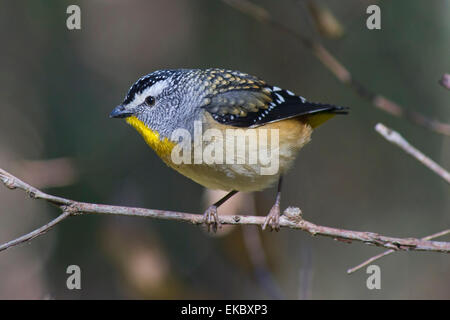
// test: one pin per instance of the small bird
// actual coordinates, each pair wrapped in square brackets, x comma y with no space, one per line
[161,103]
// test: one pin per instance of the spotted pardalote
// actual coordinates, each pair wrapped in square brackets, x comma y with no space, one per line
[164,103]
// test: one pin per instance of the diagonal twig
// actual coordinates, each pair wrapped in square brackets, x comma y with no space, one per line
[331,63]
[395,138]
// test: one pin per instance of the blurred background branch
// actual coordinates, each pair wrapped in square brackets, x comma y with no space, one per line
[48,173]
[325,21]
[57,87]
[445,81]
[337,68]
[257,256]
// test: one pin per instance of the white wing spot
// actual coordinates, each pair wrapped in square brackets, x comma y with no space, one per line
[280,98]
[290,93]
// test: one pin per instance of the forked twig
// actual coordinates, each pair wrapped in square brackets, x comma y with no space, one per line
[292,218]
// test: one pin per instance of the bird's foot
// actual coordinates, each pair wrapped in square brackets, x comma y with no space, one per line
[211,218]
[273,218]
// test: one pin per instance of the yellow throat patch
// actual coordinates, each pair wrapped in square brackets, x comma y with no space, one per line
[162,147]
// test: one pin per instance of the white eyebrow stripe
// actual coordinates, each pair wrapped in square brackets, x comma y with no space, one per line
[153,91]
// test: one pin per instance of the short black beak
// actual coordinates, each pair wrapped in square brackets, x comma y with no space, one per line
[120,112]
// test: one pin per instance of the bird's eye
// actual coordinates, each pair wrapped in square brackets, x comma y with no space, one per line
[150,101]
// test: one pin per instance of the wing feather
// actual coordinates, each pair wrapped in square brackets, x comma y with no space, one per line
[259,103]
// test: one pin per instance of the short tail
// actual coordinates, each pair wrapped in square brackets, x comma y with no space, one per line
[322,112]
[325,107]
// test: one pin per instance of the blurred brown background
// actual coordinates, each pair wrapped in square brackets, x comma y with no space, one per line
[57,88]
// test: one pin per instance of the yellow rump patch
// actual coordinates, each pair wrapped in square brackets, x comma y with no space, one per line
[163,147]
[316,120]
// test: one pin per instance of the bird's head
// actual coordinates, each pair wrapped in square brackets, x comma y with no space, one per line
[162,101]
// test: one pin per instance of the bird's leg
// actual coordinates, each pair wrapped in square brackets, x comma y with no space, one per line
[210,217]
[273,218]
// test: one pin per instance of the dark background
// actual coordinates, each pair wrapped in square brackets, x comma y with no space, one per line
[58,86]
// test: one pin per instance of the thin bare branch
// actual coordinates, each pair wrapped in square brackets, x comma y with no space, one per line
[395,138]
[388,252]
[292,218]
[36,233]
[339,70]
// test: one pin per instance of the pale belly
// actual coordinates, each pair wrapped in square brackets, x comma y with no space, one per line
[273,157]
